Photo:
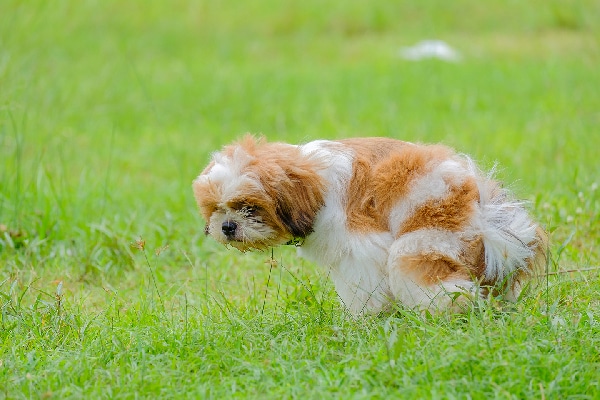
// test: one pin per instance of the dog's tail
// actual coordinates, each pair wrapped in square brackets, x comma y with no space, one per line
[515,246]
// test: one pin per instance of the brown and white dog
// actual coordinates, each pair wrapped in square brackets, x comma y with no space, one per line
[394,221]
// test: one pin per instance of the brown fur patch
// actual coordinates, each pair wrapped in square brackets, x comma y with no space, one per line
[383,170]
[431,268]
[450,213]
[473,257]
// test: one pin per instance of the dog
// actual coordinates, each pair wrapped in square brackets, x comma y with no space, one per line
[397,223]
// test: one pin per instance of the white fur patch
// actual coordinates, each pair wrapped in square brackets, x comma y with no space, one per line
[328,243]
[227,175]
[360,278]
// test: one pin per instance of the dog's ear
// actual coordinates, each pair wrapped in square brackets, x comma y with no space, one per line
[298,222]
[299,198]
[205,193]
[292,181]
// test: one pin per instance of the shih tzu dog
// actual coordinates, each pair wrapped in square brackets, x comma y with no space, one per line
[395,222]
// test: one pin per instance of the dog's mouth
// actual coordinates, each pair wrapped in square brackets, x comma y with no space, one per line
[245,245]
[245,235]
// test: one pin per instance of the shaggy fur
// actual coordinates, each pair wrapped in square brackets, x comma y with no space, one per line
[394,221]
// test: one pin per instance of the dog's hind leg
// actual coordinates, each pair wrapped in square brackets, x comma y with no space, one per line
[427,272]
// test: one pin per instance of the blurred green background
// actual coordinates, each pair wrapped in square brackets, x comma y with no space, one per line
[109,109]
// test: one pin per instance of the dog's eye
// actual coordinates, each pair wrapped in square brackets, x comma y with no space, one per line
[249,210]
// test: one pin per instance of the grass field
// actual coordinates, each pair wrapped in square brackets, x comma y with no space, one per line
[108,110]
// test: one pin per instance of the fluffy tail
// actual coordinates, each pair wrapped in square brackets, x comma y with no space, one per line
[515,246]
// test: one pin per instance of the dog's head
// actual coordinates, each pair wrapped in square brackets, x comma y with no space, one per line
[254,194]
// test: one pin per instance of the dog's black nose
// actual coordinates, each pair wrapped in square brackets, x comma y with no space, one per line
[229,228]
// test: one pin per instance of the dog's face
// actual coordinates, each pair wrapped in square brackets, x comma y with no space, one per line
[254,195]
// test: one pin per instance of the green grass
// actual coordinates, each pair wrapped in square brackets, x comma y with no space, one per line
[108,110]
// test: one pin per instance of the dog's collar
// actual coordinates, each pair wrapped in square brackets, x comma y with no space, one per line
[295,242]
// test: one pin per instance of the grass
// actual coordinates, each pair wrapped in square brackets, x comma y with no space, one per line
[108,288]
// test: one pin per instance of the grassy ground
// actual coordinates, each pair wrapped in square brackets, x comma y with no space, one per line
[108,110]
